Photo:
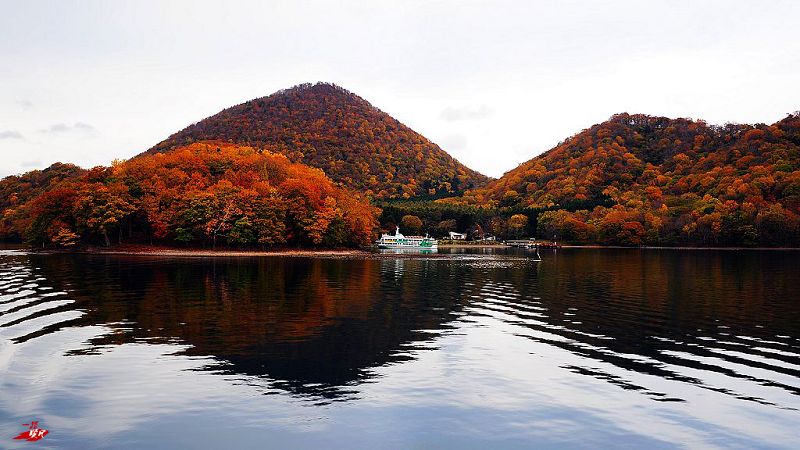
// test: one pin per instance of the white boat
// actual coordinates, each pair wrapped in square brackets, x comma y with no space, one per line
[398,240]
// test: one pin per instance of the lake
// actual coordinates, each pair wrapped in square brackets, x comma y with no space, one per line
[590,348]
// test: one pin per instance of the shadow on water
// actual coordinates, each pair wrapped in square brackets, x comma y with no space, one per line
[318,327]
[311,326]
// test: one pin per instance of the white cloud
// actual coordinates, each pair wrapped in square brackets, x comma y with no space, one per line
[10,134]
[58,128]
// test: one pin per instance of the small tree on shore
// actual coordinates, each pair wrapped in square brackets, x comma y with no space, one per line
[411,223]
[517,224]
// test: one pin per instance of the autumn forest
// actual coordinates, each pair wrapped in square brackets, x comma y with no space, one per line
[316,165]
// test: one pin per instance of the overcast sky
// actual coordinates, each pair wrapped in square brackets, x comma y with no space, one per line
[493,83]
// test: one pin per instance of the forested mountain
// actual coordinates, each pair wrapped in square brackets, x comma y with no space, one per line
[203,193]
[638,179]
[632,180]
[327,127]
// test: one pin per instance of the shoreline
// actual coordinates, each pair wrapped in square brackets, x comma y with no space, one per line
[473,246]
[600,246]
[654,247]
[190,252]
[343,253]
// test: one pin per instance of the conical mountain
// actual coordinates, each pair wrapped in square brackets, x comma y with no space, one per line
[353,142]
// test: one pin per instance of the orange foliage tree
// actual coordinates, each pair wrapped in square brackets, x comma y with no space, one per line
[637,179]
[204,193]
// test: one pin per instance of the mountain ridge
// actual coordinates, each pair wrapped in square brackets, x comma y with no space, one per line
[638,179]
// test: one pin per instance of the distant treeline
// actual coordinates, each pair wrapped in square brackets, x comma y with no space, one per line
[439,218]
[605,225]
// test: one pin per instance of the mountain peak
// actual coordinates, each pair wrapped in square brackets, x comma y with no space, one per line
[320,89]
[356,144]
[326,126]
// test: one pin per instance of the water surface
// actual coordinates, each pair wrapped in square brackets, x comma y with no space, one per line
[484,349]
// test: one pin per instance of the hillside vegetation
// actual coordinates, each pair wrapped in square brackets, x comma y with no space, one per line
[638,179]
[327,127]
[204,193]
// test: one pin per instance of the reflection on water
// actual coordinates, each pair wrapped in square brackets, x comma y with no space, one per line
[407,251]
[480,348]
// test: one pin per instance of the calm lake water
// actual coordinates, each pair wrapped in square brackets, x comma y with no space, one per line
[588,348]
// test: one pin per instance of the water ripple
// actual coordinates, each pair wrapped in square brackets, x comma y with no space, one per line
[594,344]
